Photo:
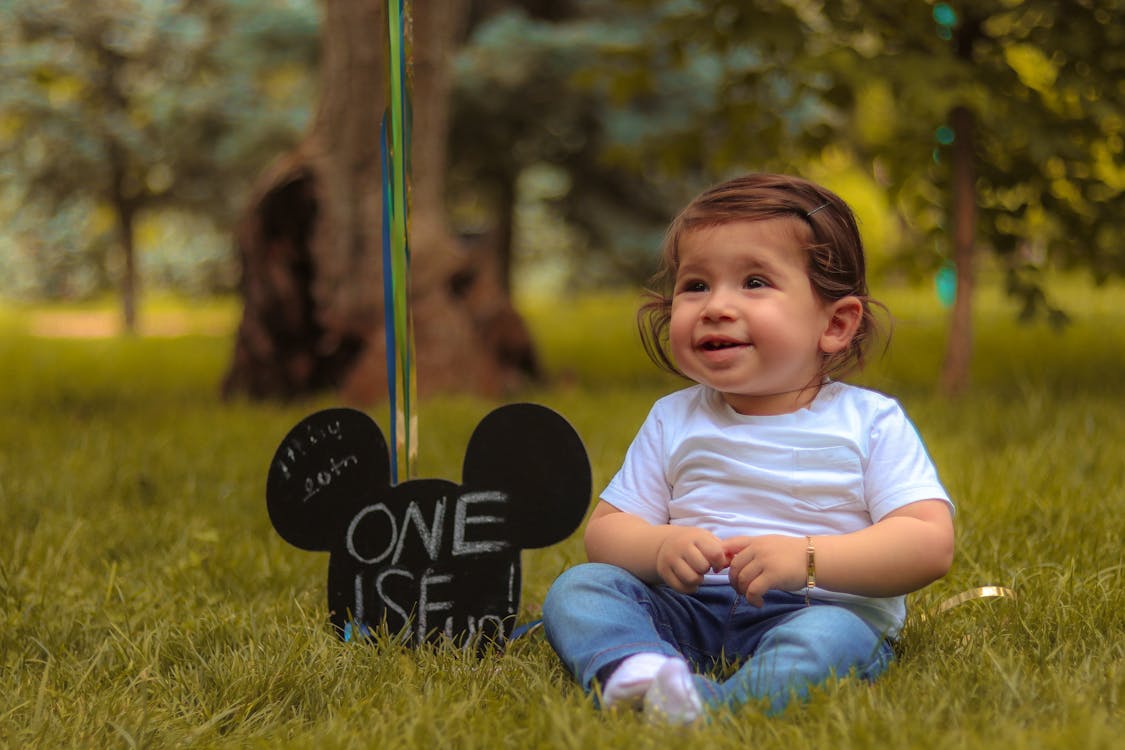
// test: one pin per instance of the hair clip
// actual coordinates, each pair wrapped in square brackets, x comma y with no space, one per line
[826,204]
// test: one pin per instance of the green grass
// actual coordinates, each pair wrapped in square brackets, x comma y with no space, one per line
[145,600]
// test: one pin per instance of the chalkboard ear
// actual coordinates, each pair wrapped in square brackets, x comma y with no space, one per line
[534,456]
[325,469]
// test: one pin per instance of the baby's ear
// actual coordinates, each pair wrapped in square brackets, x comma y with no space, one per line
[844,318]
[325,469]
[536,458]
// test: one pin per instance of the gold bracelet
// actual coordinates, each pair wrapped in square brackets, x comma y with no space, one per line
[810,568]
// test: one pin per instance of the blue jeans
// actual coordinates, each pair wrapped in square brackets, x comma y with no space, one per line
[595,615]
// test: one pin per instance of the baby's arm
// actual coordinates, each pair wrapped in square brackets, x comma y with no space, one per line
[676,555]
[904,551]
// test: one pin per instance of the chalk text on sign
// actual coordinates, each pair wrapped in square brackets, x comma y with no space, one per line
[423,600]
[378,528]
[297,447]
[407,588]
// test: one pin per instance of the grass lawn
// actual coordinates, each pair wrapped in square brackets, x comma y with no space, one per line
[145,600]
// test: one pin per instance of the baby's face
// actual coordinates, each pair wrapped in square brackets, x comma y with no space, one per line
[745,318]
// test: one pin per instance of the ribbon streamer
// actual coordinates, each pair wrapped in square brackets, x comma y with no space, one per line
[402,385]
[981,592]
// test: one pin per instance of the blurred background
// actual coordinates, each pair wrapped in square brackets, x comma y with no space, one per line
[195,151]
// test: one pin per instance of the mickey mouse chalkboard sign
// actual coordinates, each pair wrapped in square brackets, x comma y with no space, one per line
[428,557]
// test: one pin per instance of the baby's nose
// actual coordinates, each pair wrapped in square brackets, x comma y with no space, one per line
[719,305]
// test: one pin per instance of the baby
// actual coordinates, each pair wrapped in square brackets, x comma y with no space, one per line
[770,515]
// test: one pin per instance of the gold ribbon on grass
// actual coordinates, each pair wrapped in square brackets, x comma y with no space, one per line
[981,592]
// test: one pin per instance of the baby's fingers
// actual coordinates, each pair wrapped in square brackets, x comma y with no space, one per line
[754,597]
[717,558]
[684,577]
[734,545]
[749,580]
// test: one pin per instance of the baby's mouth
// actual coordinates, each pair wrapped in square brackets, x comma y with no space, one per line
[714,345]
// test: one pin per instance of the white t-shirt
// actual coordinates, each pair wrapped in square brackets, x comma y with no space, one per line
[836,466]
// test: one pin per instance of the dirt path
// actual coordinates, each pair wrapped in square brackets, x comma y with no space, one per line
[96,324]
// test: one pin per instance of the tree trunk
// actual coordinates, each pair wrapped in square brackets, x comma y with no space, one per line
[129,270]
[505,229]
[124,205]
[958,353]
[124,213]
[311,243]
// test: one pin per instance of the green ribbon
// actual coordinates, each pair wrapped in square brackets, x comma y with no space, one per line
[399,328]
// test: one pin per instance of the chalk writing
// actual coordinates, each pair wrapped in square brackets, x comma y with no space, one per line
[299,442]
[325,476]
[390,535]
[427,603]
[463,523]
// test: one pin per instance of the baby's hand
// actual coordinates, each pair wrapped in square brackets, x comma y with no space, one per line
[686,554]
[761,563]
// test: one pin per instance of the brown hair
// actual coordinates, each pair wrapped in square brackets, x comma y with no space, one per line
[836,265]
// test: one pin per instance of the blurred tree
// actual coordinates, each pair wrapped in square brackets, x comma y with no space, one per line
[1015,114]
[114,108]
[993,123]
[633,112]
[527,94]
[311,244]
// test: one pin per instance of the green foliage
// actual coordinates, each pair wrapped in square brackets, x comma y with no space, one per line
[1042,80]
[145,599]
[114,108]
[641,103]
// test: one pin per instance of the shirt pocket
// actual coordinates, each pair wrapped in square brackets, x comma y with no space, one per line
[830,477]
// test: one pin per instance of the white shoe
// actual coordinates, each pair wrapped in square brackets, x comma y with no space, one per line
[672,697]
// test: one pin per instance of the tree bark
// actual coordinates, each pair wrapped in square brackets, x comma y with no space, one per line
[121,196]
[311,245]
[129,276]
[959,348]
[124,214]
[505,229]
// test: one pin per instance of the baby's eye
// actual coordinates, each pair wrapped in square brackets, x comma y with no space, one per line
[755,282]
[693,285]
